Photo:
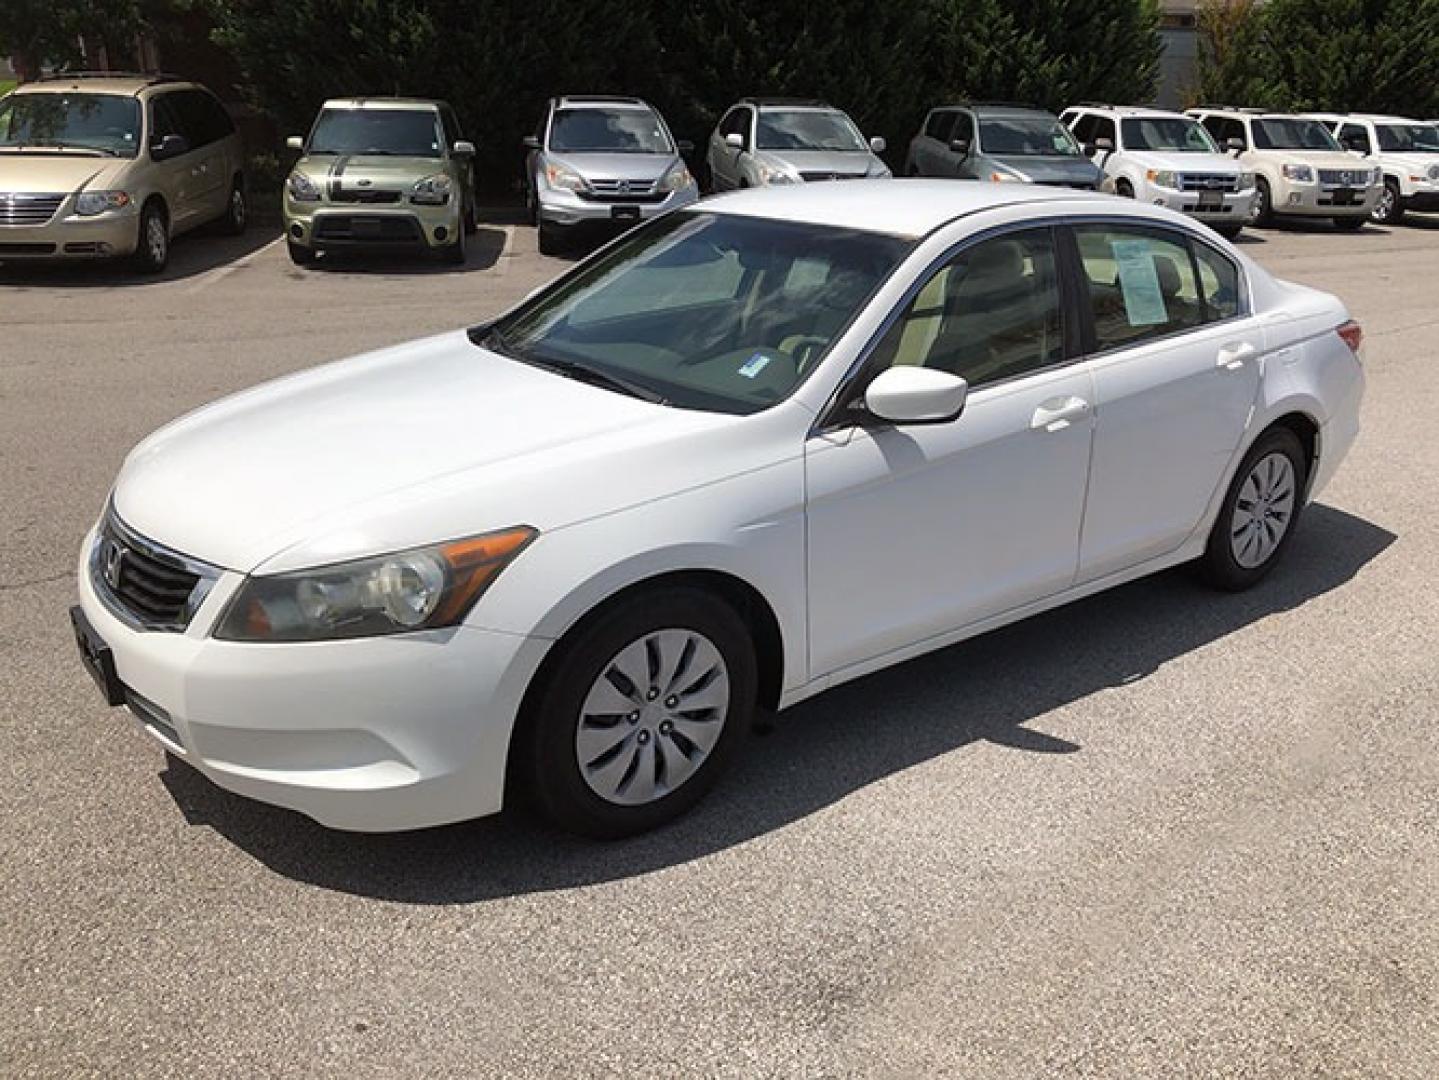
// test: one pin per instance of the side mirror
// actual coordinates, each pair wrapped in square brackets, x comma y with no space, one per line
[734,140]
[960,146]
[1234,146]
[878,145]
[170,146]
[684,146]
[916,395]
[463,148]
[295,142]
[1104,146]
[531,142]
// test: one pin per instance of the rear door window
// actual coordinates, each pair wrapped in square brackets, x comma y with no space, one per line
[1138,283]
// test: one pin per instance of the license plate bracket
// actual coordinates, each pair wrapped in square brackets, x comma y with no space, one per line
[625,213]
[1211,200]
[1344,196]
[99,661]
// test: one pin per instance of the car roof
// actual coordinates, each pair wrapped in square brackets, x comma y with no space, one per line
[382,103]
[996,108]
[102,82]
[569,101]
[786,103]
[1140,111]
[909,207]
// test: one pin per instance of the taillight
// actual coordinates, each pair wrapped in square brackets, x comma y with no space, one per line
[1353,335]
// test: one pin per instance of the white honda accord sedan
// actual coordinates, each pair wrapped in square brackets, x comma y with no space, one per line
[751,450]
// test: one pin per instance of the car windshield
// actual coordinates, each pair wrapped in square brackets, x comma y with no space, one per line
[1408,138]
[1286,133]
[102,123]
[387,132]
[1023,136]
[608,131]
[807,129]
[1171,133]
[701,310]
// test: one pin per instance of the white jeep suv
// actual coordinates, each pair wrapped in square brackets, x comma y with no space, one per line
[1300,170]
[1164,158]
[1406,151]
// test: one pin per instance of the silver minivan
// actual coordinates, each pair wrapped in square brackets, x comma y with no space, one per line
[602,162]
[763,141]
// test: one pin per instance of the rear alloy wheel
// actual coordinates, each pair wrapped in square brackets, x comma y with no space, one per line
[1257,519]
[641,713]
[153,250]
[1389,210]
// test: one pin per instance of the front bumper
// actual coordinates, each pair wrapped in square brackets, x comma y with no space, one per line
[405,225]
[1422,197]
[70,236]
[564,208]
[372,734]
[1319,200]
[1233,209]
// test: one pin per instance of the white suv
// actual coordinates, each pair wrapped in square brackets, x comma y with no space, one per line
[1300,170]
[1406,151]
[1164,158]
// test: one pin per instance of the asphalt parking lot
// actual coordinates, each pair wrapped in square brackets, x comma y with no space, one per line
[1162,832]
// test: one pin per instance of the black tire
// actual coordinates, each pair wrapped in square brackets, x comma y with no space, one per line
[471,224]
[1350,224]
[1389,210]
[300,255]
[1124,189]
[152,249]
[237,212]
[1219,566]
[1229,232]
[1263,213]
[547,761]
[549,240]
[453,253]
[532,206]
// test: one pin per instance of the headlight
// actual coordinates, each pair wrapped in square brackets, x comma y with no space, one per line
[677,179]
[1006,177]
[566,179]
[778,174]
[432,190]
[410,590]
[91,203]
[302,188]
[1303,173]
[1246,181]
[1163,178]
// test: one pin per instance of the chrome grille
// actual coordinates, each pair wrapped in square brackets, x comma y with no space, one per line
[1345,177]
[143,583]
[24,208]
[1208,182]
[622,187]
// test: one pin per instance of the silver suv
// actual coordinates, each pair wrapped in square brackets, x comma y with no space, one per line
[763,141]
[1406,151]
[1003,143]
[602,160]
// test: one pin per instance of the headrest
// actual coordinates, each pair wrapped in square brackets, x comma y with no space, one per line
[1169,280]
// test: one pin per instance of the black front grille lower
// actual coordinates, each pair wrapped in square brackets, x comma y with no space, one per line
[27,249]
[812,177]
[153,588]
[364,195]
[367,229]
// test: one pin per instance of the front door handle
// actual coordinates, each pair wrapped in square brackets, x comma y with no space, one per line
[1057,413]
[1232,357]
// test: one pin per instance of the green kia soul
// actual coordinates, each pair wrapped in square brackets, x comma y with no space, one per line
[381,173]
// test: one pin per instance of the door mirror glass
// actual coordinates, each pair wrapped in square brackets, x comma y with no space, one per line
[734,141]
[170,146]
[878,145]
[295,142]
[463,148]
[960,146]
[916,395]
[531,142]
[1234,146]
[685,146]
[1104,145]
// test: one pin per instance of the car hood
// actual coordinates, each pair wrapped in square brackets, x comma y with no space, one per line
[1320,159]
[615,166]
[39,172]
[368,171]
[1187,163]
[411,445]
[1417,164]
[842,162]
[1052,170]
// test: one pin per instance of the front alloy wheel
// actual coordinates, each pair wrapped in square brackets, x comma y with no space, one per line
[153,251]
[1388,210]
[1262,211]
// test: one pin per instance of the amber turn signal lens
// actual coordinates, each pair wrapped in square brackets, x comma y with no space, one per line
[473,564]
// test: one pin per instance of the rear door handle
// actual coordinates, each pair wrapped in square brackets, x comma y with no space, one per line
[1057,413]
[1232,357]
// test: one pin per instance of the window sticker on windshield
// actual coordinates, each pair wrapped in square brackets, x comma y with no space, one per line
[1139,281]
[754,365]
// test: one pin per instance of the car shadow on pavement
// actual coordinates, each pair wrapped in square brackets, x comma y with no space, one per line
[987,689]
[192,254]
[483,249]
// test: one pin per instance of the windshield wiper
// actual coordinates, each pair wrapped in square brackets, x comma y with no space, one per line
[496,342]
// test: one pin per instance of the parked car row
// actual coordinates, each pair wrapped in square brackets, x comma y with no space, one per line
[398,172]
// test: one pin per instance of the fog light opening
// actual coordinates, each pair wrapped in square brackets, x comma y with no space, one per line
[441,233]
[297,231]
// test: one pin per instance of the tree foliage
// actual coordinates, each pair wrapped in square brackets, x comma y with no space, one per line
[1340,55]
